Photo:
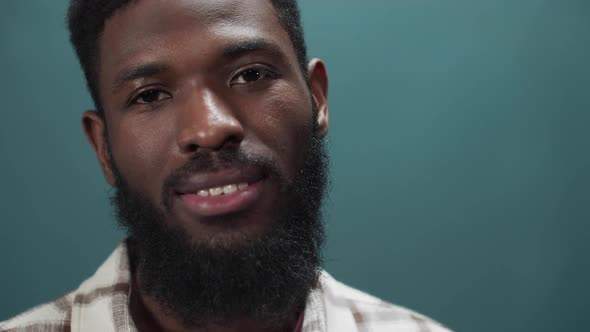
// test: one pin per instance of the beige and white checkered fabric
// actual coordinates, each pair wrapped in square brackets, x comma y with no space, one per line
[100,304]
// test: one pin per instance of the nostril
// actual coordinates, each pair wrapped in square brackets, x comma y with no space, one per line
[234,140]
[231,143]
[211,135]
[190,148]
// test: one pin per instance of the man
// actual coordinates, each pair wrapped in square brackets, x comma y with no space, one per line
[209,123]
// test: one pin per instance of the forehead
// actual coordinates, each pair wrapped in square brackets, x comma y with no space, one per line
[147,28]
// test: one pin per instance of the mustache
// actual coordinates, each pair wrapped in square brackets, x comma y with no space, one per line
[212,161]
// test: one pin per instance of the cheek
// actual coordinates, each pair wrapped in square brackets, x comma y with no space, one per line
[285,126]
[141,148]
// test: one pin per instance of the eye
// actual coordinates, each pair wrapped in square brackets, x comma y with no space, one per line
[252,75]
[150,96]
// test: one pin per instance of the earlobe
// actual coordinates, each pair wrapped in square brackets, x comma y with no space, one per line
[95,131]
[318,78]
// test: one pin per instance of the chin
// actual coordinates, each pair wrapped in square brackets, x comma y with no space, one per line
[228,231]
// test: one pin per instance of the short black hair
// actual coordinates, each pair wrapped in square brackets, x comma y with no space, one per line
[86,20]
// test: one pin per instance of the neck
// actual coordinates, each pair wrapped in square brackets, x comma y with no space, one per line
[149,316]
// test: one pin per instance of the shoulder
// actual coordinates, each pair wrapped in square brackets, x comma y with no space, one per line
[369,313]
[96,301]
[50,317]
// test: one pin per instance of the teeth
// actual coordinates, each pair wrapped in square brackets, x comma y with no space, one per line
[232,188]
[216,191]
[225,190]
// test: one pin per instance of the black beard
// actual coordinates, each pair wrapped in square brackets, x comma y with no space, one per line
[267,279]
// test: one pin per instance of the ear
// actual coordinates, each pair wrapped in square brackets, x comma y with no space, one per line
[95,130]
[318,78]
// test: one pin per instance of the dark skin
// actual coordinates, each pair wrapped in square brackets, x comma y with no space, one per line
[183,77]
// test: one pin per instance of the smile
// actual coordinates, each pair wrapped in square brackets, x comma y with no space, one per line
[220,193]
[225,190]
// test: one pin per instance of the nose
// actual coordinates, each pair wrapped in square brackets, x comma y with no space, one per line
[206,122]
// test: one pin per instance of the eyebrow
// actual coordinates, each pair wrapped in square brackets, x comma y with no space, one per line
[243,47]
[232,51]
[139,71]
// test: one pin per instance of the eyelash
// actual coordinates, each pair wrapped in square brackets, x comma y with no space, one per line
[142,94]
[263,73]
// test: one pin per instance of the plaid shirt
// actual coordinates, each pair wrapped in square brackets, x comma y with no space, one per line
[101,304]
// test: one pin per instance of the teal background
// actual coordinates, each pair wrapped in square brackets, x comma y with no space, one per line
[459,142]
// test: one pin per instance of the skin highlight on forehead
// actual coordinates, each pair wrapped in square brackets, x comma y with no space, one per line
[216,11]
[155,18]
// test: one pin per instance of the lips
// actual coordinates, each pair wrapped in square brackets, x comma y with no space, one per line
[218,193]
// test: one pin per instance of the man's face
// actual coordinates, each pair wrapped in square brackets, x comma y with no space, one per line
[184,85]
[212,138]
